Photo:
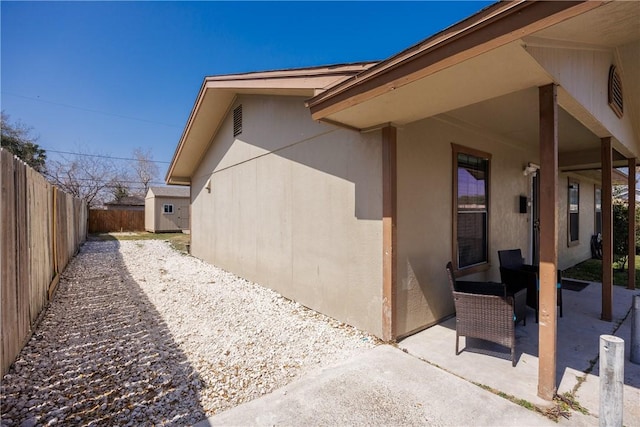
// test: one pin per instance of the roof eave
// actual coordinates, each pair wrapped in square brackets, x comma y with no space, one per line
[274,81]
[494,26]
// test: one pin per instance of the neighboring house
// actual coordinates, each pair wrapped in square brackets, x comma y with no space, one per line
[166,209]
[350,194]
[128,203]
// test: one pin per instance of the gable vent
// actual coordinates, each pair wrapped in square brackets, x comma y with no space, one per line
[237,120]
[615,91]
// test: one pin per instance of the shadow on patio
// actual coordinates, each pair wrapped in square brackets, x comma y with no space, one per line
[578,347]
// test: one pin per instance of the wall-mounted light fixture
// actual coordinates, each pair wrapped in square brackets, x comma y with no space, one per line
[531,168]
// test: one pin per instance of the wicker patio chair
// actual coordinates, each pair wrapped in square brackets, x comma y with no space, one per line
[484,311]
[515,273]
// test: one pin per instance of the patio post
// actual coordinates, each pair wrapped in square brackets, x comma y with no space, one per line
[631,282]
[607,231]
[548,106]
[389,215]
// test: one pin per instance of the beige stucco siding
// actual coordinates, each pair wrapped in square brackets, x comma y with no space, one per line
[295,205]
[425,214]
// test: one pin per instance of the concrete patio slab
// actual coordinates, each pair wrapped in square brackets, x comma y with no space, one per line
[382,386]
[578,347]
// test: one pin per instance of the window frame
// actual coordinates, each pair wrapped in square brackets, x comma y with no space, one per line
[170,211]
[485,265]
[571,182]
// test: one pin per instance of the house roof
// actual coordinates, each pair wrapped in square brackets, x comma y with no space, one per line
[169,191]
[217,94]
[495,26]
[482,73]
[127,201]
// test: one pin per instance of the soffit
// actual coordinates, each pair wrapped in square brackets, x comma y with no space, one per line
[503,70]
[514,117]
[614,24]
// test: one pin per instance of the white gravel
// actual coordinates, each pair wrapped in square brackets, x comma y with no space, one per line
[140,334]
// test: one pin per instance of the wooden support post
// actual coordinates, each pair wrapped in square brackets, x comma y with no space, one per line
[389,254]
[607,231]
[548,241]
[631,282]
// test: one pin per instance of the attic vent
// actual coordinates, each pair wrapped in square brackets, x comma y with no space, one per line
[615,92]
[237,120]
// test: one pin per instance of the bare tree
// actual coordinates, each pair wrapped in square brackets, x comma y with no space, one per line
[87,176]
[146,170]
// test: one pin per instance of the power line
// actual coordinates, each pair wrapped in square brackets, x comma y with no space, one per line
[115,181]
[104,157]
[88,109]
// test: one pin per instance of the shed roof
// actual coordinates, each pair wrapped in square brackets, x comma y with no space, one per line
[169,191]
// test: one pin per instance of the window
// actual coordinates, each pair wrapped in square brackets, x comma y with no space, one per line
[471,208]
[598,209]
[573,219]
[168,209]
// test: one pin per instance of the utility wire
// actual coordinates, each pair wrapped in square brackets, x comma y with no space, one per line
[115,181]
[103,156]
[88,109]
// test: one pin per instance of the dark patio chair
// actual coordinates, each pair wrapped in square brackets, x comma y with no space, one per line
[516,274]
[484,311]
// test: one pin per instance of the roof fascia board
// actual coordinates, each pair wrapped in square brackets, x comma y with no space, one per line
[493,27]
[180,146]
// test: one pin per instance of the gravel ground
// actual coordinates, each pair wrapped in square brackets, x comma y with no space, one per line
[140,334]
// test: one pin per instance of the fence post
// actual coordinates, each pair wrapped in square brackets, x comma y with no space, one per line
[635,330]
[611,380]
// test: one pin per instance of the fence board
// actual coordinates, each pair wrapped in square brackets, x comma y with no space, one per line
[41,268]
[106,221]
[22,250]
[41,228]
[7,264]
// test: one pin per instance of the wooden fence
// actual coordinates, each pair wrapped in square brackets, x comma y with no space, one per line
[41,229]
[105,221]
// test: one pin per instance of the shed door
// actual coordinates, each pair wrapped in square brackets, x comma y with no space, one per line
[182,217]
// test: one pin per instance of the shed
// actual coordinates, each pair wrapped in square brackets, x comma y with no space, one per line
[166,209]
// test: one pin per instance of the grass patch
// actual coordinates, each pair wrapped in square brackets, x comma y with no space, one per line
[591,270]
[522,402]
[178,241]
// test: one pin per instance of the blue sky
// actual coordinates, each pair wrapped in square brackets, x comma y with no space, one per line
[106,77]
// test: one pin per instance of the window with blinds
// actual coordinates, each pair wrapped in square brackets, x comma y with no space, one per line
[471,201]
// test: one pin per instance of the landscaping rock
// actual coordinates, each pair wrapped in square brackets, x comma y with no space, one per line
[140,334]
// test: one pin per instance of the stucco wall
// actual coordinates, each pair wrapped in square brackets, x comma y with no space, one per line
[295,205]
[425,214]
